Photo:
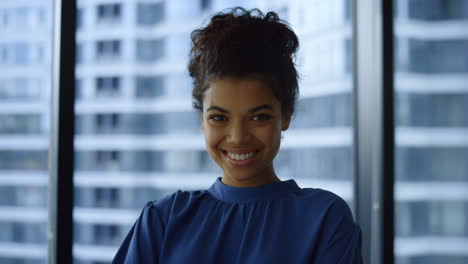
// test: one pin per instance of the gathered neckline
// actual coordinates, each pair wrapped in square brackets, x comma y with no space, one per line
[228,193]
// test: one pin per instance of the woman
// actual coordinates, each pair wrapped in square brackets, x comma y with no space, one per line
[245,87]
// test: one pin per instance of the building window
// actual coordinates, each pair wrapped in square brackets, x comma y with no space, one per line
[348,51]
[107,123]
[79,53]
[108,49]
[20,53]
[448,110]
[438,10]
[20,88]
[107,86]
[205,4]
[106,234]
[108,160]
[150,13]
[109,13]
[149,86]
[108,197]
[447,56]
[3,18]
[22,15]
[78,89]
[149,50]
[20,124]
[23,160]
[79,18]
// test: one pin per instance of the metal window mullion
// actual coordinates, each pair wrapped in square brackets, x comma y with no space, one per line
[374,127]
[61,151]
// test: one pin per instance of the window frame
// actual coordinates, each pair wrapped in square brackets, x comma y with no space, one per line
[62,122]
[374,131]
[373,146]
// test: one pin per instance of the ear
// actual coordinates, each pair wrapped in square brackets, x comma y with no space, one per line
[285,120]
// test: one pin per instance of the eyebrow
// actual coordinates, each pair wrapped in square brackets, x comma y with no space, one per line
[216,108]
[260,107]
[251,110]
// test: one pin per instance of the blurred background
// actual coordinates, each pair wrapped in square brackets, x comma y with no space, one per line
[137,138]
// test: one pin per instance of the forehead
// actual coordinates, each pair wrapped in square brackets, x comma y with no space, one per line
[239,93]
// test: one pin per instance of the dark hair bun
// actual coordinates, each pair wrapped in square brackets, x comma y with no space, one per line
[243,43]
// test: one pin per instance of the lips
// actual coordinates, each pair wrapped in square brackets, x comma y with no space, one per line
[240,157]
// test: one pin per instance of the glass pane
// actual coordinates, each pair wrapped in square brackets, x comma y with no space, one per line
[137,137]
[25,70]
[431,82]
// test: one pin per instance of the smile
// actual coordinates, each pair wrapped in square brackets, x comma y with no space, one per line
[239,158]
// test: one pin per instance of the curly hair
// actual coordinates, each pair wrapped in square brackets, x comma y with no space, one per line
[245,44]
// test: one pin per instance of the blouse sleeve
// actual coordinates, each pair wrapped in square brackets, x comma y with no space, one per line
[143,242]
[341,241]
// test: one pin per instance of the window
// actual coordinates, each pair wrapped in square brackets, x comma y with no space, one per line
[3,18]
[448,109]
[20,89]
[107,197]
[431,154]
[22,15]
[437,10]
[149,50]
[79,54]
[78,89]
[149,86]
[149,14]
[108,49]
[25,79]
[31,160]
[3,54]
[106,234]
[79,18]
[107,86]
[107,160]
[108,13]
[205,4]
[107,123]
[326,111]
[447,56]
[20,53]
[153,139]
[20,124]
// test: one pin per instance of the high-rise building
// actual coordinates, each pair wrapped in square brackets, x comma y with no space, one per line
[431,111]
[137,137]
[25,61]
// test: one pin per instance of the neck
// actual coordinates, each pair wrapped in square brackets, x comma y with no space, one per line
[268,176]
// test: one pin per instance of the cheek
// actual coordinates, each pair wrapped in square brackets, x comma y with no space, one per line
[271,137]
[212,137]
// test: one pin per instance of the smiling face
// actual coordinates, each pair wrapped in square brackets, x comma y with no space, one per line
[242,122]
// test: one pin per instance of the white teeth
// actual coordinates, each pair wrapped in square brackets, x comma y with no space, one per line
[240,156]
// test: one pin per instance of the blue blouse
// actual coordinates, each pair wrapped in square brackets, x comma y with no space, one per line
[273,223]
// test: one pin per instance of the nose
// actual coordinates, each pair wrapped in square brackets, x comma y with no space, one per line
[239,132]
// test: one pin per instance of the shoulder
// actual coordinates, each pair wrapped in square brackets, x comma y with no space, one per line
[173,202]
[321,196]
[178,197]
[329,204]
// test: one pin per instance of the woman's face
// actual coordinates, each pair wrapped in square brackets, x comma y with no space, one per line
[242,121]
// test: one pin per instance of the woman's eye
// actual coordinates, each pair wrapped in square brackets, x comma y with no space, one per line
[261,117]
[218,118]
